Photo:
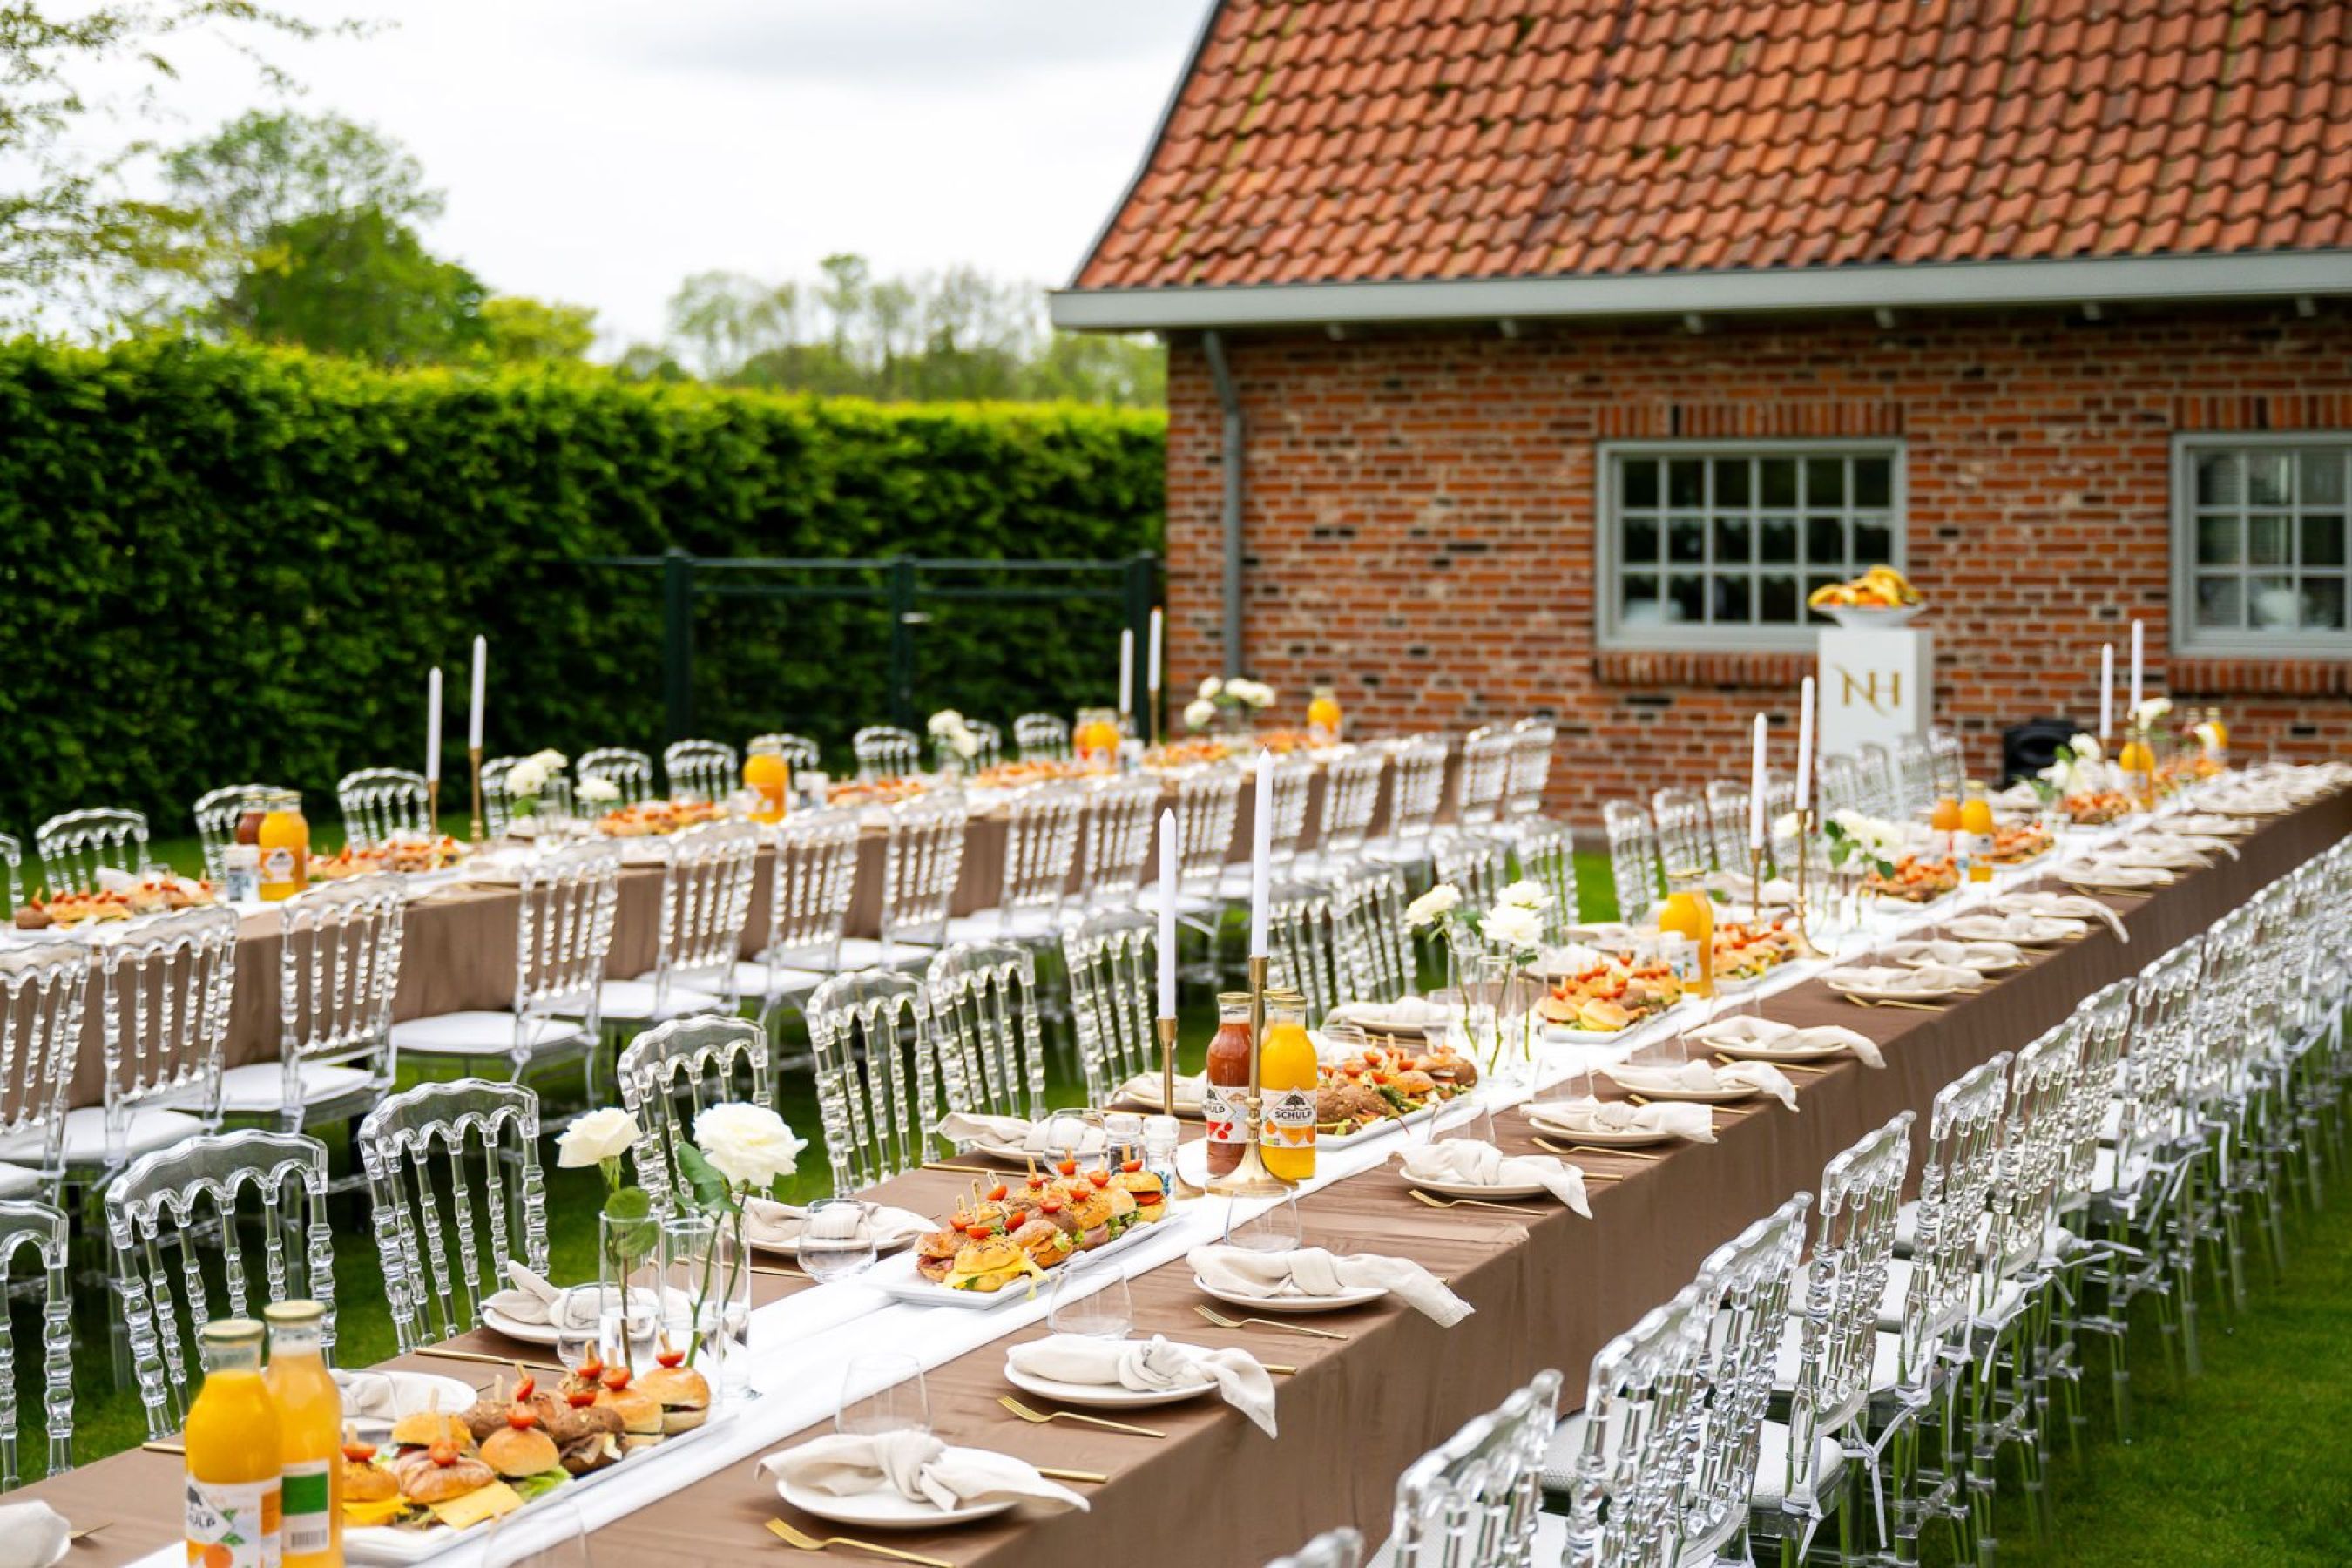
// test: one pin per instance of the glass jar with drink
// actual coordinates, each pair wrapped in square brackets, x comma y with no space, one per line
[309,1434]
[284,838]
[1286,1089]
[1689,913]
[768,774]
[235,1453]
[1225,1093]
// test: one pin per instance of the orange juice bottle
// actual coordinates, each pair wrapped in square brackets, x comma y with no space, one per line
[1286,1080]
[1323,715]
[1944,818]
[1976,834]
[234,1454]
[309,1431]
[767,775]
[285,840]
[1689,913]
[2221,736]
[1096,740]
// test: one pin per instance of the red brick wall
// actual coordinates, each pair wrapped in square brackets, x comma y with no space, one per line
[1419,516]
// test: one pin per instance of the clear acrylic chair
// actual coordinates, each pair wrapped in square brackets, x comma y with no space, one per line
[1294,784]
[1113,961]
[1416,794]
[42,1230]
[705,902]
[813,872]
[183,1198]
[1485,774]
[1474,1498]
[1879,789]
[1617,1465]
[1119,813]
[217,813]
[502,807]
[701,770]
[877,1085]
[1948,764]
[675,1071]
[378,804]
[1351,794]
[1208,804]
[74,846]
[1340,1548]
[12,866]
[1915,776]
[1780,821]
[1632,857]
[43,990]
[987,751]
[1545,855]
[1683,845]
[563,930]
[885,750]
[1042,737]
[1726,824]
[1476,864]
[1302,943]
[800,755]
[1375,954]
[163,986]
[630,772]
[1839,781]
[922,856]
[1041,825]
[1736,1453]
[985,1029]
[425,1152]
[1532,741]
[338,967]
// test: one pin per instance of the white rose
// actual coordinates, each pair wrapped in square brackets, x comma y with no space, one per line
[964,744]
[1210,688]
[2209,736]
[2057,773]
[946,721]
[526,777]
[1438,901]
[1199,714]
[2086,748]
[1512,926]
[1526,895]
[1257,695]
[2150,712]
[598,789]
[747,1144]
[598,1136]
[550,762]
[1785,827]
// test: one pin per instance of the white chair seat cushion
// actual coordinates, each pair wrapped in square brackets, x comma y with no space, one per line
[1772,1466]
[261,1086]
[1147,901]
[990,925]
[2055,1238]
[150,1129]
[753,978]
[477,1034]
[633,1001]
[1898,1288]
[1886,1359]
[2103,1171]
[866,953]
[15,1181]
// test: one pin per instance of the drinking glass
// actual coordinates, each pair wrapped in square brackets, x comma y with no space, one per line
[1262,1225]
[1462,1121]
[552,1535]
[836,1239]
[880,1393]
[1091,1297]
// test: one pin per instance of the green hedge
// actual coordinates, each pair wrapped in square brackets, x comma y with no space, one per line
[230,563]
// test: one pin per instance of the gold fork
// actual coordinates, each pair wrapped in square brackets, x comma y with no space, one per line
[1785,1067]
[1040,1417]
[1221,1320]
[1590,1149]
[807,1542]
[80,1535]
[1891,1002]
[1421,1197]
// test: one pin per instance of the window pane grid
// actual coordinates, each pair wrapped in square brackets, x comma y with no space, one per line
[2266,529]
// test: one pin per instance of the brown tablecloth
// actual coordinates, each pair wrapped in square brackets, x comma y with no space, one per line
[1548,1291]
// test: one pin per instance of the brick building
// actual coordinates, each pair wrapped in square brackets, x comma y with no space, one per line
[1542,357]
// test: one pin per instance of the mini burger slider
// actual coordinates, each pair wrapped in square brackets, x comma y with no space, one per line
[640,1413]
[519,1447]
[682,1391]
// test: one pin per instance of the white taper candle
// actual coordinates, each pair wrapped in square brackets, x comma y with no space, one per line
[1805,744]
[1168,913]
[2139,657]
[1126,670]
[474,720]
[432,723]
[1262,855]
[1151,654]
[1756,790]
[2106,691]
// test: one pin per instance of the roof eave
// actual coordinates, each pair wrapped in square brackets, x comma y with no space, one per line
[2116,280]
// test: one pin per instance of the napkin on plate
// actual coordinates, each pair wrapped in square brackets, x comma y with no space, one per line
[1673,1117]
[1702,1078]
[32,1534]
[919,1467]
[1405,1013]
[1152,1365]
[2063,907]
[1050,1136]
[1929,979]
[1480,1164]
[1314,1271]
[772,1224]
[1744,1029]
[530,1298]
[1191,1088]
[376,1395]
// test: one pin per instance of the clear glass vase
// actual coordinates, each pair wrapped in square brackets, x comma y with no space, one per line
[707,1298]
[628,1280]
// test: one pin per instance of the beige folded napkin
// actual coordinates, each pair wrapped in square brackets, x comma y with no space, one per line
[386,1396]
[1313,1271]
[772,1224]
[1983,956]
[1150,1366]
[530,1298]
[1050,1136]
[1746,1030]
[1929,979]
[32,1534]
[919,1467]
[1672,1119]
[1702,1078]
[1480,1164]
[1191,1089]
[1405,1013]
[2058,907]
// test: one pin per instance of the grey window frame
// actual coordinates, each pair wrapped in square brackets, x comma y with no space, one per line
[1609,633]
[2186,636]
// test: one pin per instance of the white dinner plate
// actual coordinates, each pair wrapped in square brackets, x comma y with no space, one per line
[1352,1296]
[883,1508]
[413,1392]
[2047,930]
[1846,984]
[1637,1084]
[1102,1395]
[1986,955]
[1014,1157]
[1453,1189]
[1623,1138]
[1143,1089]
[514,1329]
[883,1245]
[1775,1051]
[2115,878]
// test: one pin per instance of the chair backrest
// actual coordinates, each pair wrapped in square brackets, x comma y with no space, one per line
[43,989]
[984,1027]
[1303,945]
[41,1229]
[438,1139]
[502,804]
[1418,791]
[163,991]
[1879,789]
[1118,820]
[2155,1086]
[1744,1304]
[1625,1491]
[1476,863]
[73,846]
[1351,794]
[1726,823]
[377,803]
[2105,1017]
[705,902]
[1947,765]
[2033,1157]
[1474,1499]
[877,1086]
[701,770]
[1042,737]
[166,1200]
[1915,775]
[1368,921]
[2234,1016]
[671,1073]
[921,856]
[1340,1548]
[338,967]
[810,879]
[1113,961]
[1632,857]
[12,861]
[1956,1180]
[217,813]
[1862,1192]
[631,773]
[1779,807]
[1839,781]
[1485,773]
[885,750]
[1530,770]
[1208,804]
[1684,846]
[1294,782]
[800,754]
[1040,851]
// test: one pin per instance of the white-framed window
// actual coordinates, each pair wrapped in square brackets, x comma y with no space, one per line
[1718,543]
[2259,529]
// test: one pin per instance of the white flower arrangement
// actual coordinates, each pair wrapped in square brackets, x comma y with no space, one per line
[553,760]
[527,779]
[1526,894]
[2148,715]
[951,730]
[598,1136]
[1199,714]
[944,723]
[1239,693]
[2209,736]
[1513,926]
[1786,825]
[1432,906]
[1210,687]
[2087,748]
[598,790]
[749,1145]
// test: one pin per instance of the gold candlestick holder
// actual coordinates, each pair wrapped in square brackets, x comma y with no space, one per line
[1166,1028]
[1804,940]
[474,766]
[1154,693]
[1251,1179]
[433,804]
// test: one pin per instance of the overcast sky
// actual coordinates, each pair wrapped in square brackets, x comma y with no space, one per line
[599,151]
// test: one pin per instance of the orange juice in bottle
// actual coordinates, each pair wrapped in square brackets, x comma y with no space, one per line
[234,1454]
[310,1432]
[767,775]
[284,841]
[1323,715]
[1096,740]
[1286,1069]
[1689,913]
[1976,834]
[1944,818]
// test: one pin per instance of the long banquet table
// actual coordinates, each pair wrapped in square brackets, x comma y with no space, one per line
[1548,1291]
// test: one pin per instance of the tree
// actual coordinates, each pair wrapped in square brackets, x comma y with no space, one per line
[356,283]
[261,171]
[520,329]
